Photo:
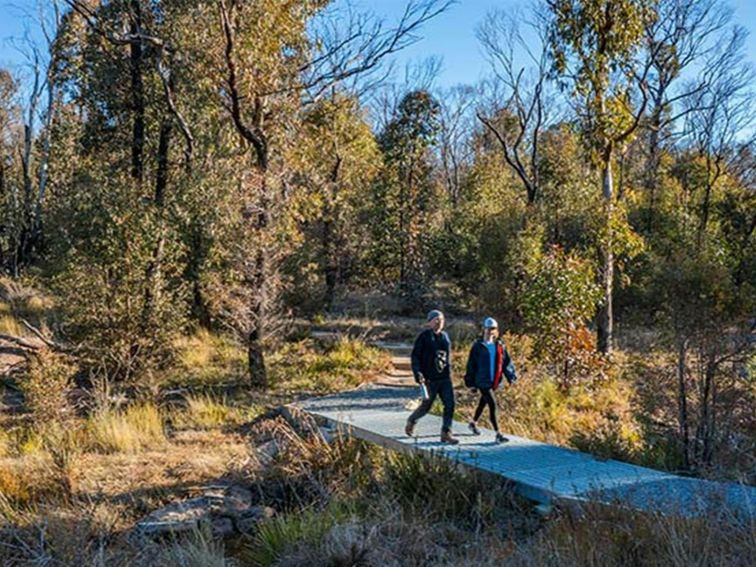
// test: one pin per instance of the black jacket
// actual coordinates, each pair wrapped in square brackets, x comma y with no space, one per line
[431,356]
[478,374]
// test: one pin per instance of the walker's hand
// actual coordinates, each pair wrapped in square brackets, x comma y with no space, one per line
[420,379]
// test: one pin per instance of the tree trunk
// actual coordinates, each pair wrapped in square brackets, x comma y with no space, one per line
[137,94]
[711,179]
[193,272]
[682,401]
[23,251]
[605,318]
[651,177]
[331,270]
[152,275]
[330,214]
[705,429]
[44,162]
[258,373]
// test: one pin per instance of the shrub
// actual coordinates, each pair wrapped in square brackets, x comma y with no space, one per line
[436,488]
[560,297]
[137,427]
[46,387]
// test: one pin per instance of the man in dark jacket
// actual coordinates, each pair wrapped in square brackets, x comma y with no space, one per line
[431,365]
[488,362]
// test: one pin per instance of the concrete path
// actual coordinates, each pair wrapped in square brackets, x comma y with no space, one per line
[377,413]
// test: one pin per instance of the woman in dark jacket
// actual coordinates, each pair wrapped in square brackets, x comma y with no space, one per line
[487,363]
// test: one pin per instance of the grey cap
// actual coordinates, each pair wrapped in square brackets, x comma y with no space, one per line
[433,313]
[490,323]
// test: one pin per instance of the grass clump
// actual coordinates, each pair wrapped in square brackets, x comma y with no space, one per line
[138,427]
[207,359]
[277,536]
[8,323]
[198,549]
[615,537]
[24,483]
[205,412]
[5,444]
[306,366]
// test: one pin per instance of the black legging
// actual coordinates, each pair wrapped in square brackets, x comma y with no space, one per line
[487,399]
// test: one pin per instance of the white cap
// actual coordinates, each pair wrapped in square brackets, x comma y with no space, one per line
[490,323]
[433,314]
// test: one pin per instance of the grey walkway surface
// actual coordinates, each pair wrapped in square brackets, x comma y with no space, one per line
[538,471]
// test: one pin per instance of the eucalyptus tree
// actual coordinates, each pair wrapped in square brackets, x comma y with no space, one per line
[595,46]
[10,120]
[339,159]
[404,195]
[685,36]
[521,104]
[309,49]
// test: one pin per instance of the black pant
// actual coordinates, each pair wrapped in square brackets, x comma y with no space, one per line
[487,399]
[444,389]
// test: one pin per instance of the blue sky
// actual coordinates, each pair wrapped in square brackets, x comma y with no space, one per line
[450,36]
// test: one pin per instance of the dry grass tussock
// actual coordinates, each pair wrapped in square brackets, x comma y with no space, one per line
[81,515]
[306,366]
[21,299]
[137,427]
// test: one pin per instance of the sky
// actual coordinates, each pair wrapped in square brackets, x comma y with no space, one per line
[450,36]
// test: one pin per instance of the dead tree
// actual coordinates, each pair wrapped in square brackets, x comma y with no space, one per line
[517,112]
[685,33]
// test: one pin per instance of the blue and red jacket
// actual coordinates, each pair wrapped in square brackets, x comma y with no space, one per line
[478,374]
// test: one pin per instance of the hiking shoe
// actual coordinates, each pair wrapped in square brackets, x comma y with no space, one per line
[474,428]
[500,438]
[409,429]
[448,438]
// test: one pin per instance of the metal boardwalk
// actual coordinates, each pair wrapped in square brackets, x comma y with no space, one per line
[538,471]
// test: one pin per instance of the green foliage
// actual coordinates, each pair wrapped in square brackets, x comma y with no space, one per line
[338,157]
[124,319]
[275,536]
[559,298]
[594,43]
[404,197]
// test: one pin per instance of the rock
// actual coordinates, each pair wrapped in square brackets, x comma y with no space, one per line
[222,527]
[226,509]
[267,452]
[178,517]
[249,519]
[228,500]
